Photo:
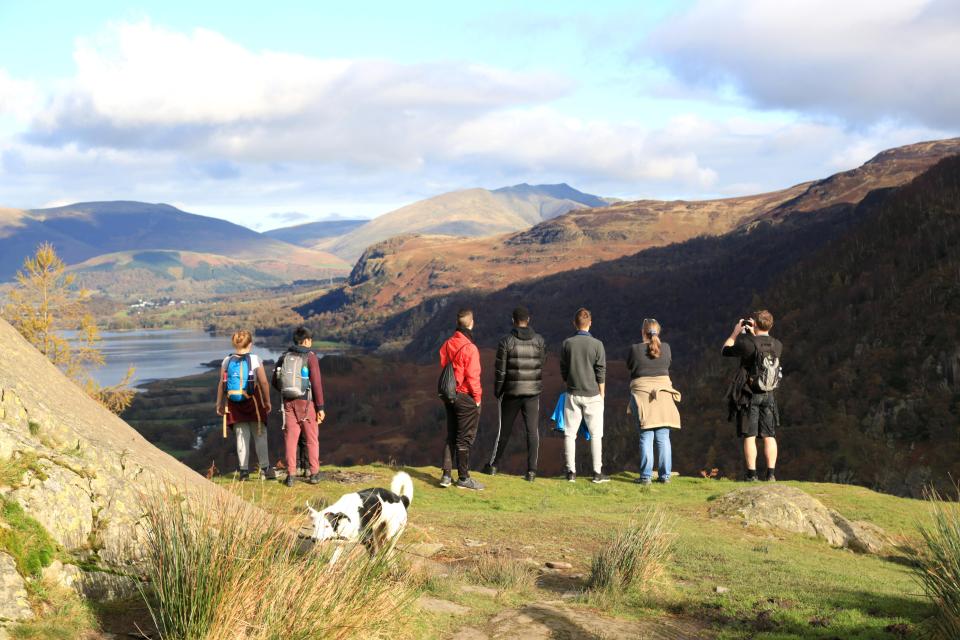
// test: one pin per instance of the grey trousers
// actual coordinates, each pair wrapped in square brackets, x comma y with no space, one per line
[245,432]
[576,410]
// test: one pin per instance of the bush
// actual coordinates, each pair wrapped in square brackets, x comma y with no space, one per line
[937,566]
[634,556]
[219,568]
[25,539]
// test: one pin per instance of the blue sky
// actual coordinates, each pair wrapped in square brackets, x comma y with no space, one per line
[276,112]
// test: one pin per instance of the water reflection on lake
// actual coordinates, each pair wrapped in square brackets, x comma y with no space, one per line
[162,353]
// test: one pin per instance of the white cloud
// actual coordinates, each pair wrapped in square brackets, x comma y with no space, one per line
[18,98]
[865,61]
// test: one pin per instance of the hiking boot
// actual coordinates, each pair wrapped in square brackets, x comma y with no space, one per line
[531,476]
[571,476]
[599,478]
[315,478]
[469,483]
[289,481]
[244,475]
[490,470]
[446,480]
[751,477]
[771,477]
[644,481]
[269,473]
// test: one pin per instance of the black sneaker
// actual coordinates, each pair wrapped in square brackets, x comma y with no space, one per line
[571,476]
[289,481]
[315,478]
[446,480]
[244,475]
[269,473]
[771,477]
[751,477]
[531,476]
[599,478]
[644,481]
[469,483]
[489,469]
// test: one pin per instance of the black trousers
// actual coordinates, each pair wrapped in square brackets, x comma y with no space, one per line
[529,408]
[463,419]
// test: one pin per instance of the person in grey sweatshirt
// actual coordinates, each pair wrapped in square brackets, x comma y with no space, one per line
[583,366]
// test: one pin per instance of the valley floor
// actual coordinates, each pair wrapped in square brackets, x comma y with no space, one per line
[724,580]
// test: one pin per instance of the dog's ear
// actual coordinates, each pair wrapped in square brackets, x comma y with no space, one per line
[335,519]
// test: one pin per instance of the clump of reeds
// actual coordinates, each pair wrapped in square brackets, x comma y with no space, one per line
[502,572]
[220,569]
[635,556]
[937,566]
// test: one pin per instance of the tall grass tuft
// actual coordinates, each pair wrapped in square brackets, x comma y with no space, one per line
[502,572]
[635,556]
[221,569]
[937,566]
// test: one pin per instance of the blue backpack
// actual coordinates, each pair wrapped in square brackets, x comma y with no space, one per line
[238,378]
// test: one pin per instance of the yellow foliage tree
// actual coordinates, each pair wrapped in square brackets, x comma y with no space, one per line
[43,304]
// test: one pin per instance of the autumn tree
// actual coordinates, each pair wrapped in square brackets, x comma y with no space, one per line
[42,305]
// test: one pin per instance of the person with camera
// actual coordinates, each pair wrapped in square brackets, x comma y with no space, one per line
[752,392]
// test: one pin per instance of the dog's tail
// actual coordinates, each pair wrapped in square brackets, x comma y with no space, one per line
[402,485]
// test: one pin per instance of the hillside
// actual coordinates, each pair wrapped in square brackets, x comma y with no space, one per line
[312,234]
[399,274]
[482,561]
[467,213]
[86,230]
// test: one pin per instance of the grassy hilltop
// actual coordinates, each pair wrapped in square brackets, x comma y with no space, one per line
[780,585]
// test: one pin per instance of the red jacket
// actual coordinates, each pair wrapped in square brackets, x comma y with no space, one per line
[466,364]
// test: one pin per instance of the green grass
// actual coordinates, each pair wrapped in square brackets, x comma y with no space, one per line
[25,539]
[66,616]
[780,585]
[12,470]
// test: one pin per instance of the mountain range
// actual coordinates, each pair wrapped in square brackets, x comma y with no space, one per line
[309,234]
[465,213]
[97,230]
[412,273]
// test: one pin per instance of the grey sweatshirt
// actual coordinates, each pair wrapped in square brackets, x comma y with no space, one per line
[583,364]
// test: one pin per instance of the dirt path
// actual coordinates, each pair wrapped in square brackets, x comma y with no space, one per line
[553,621]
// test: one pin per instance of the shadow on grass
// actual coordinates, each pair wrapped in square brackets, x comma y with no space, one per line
[883,616]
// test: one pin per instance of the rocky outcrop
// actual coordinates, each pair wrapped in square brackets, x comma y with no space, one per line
[14,605]
[83,472]
[790,509]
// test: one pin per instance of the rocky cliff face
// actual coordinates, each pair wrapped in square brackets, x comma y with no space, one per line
[78,469]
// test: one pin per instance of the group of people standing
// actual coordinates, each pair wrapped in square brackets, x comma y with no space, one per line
[518,385]
[243,398]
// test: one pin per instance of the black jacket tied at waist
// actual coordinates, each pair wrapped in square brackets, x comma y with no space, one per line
[520,358]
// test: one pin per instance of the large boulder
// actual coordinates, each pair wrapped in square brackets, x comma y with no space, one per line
[84,471]
[14,605]
[778,506]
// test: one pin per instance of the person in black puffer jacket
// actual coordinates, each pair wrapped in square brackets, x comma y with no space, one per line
[521,355]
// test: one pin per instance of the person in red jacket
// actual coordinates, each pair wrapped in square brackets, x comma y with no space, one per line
[463,415]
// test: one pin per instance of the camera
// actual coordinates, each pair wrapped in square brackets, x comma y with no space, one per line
[747,324]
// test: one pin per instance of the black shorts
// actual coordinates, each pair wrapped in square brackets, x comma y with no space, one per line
[760,418]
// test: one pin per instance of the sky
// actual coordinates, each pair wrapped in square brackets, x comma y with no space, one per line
[269,114]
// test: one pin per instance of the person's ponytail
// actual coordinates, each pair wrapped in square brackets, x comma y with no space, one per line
[651,335]
[653,347]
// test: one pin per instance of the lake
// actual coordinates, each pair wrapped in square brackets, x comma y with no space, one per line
[161,353]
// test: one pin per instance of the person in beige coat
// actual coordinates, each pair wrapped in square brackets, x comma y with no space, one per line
[653,401]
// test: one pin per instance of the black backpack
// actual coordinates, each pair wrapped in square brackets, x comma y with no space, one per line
[766,373]
[447,384]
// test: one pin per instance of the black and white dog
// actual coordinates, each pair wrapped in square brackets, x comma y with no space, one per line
[374,517]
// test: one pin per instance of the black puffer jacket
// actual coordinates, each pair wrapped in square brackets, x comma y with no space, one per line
[520,358]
